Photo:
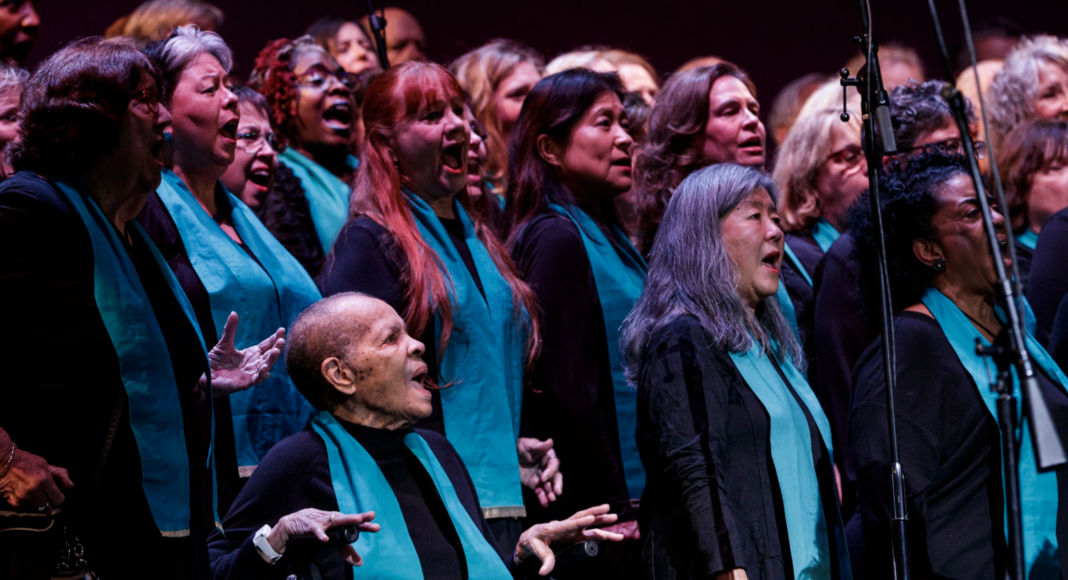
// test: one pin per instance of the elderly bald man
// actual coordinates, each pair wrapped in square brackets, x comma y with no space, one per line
[361,460]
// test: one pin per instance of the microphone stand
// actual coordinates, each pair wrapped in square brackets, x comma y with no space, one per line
[1010,347]
[378,25]
[879,142]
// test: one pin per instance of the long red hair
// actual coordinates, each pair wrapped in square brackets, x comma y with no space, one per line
[394,96]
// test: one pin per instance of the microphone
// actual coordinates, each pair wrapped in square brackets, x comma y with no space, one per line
[310,547]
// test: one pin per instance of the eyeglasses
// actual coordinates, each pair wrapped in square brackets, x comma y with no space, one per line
[954,145]
[147,97]
[318,77]
[850,156]
[252,141]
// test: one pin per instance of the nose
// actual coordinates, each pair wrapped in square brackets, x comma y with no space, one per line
[415,348]
[30,18]
[454,123]
[623,138]
[774,232]
[267,154]
[230,99]
[163,117]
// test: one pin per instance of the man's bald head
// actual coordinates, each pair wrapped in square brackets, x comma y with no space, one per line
[325,329]
[405,39]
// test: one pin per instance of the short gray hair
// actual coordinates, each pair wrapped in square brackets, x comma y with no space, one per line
[1015,86]
[690,272]
[172,54]
[12,77]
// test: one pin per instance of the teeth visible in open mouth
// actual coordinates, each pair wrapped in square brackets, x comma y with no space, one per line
[451,157]
[229,130]
[338,114]
[261,178]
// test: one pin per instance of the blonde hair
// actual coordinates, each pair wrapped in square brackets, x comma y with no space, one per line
[591,58]
[480,73]
[803,152]
[156,19]
[620,57]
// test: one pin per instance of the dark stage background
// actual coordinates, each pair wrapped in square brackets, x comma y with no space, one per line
[775,41]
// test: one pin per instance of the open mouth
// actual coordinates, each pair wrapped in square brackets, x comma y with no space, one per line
[338,116]
[157,149]
[752,143]
[419,378]
[771,261]
[474,168]
[622,162]
[260,177]
[451,157]
[229,130]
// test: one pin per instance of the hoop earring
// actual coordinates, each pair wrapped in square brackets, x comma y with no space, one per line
[939,265]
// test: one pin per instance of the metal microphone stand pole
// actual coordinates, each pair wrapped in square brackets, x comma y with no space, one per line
[378,25]
[878,142]
[1010,346]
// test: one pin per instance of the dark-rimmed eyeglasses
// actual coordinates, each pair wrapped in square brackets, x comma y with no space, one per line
[318,77]
[954,145]
[252,141]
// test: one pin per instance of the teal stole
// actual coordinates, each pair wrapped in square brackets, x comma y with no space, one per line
[482,366]
[1028,239]
[265,295]
[787,307]
[328,196]
[825,234]
[791,457]
[145,365]
[360,486]
[796,263]
[618,274]
[1038,491]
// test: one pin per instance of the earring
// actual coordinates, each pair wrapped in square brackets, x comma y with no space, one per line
[939,265]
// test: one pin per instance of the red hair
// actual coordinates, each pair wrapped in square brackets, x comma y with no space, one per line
[394,96]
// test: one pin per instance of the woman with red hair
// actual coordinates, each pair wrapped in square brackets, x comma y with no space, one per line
[413,241]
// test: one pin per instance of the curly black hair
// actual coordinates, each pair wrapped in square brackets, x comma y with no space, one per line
[909,206]
[917,109]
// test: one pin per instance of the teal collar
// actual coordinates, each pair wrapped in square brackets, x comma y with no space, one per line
[328,196]
[825,234]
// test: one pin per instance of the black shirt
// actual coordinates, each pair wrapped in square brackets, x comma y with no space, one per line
[1048,279]
[62,411]
[295,475]
[285,213]
[801,293]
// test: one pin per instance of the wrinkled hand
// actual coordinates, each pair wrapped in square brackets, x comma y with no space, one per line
[310,523]
[235,370]
[31,483]
[539,469]
[629,530]
[536,540]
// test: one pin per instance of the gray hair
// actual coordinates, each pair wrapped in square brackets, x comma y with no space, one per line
[172,54]
[690,273]
[12,78]
[1015,86]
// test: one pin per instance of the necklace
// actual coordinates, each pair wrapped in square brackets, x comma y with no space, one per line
[980,324]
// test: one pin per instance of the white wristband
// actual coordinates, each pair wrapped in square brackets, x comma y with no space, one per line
[264,547]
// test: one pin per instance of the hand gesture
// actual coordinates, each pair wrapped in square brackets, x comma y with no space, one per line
[30,483]
[536,540]
[539,469]
[629,530]
[235,370]
[309,523]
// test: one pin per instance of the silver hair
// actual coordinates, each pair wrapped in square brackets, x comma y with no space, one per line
[690,273]
[175,53]
[12,78]
[1015,87]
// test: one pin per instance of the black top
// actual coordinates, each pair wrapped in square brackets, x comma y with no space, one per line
[62,412]
[285,213]
[366,259]
[1024,257]
[295,475]
[801,292]
[571,397]
[1048,279]
[842,333]
[950,451]
[712,501]
[159,226]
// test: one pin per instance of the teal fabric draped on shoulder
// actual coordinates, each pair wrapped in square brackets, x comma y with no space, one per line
[1038,491]
[618,274]
[267,293]
[791,456]
[360,486]
[482,366]
[825,234]
[328,196]
[1027,239]
[145,364]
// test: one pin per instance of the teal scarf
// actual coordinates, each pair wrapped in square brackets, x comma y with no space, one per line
[145,365]
[796,263]
[825,234]
[483,362]
[787,306]
[360,487]
[791,456]
[618,273]
[1027,239]
[265,295]
[1038,491]
[328,196]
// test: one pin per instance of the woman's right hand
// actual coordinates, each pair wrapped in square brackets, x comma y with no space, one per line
[30,484]
[736,574]
[309,523]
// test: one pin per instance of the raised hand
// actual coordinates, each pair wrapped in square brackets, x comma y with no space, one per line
[536,540]
[539,469]
[308,523]
[235,370]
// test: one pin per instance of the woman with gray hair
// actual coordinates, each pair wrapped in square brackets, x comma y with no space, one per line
[734,442]
[1033,83]
[226,261]
[11,81]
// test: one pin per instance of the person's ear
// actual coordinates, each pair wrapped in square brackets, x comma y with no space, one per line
[550,150]
[339,375]
[928,252]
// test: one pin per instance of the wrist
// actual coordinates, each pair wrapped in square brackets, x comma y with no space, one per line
[7,458]
[264,547]
[277,538]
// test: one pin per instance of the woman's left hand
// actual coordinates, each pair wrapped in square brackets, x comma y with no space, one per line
[539,469]
[535,541]
[235,370]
